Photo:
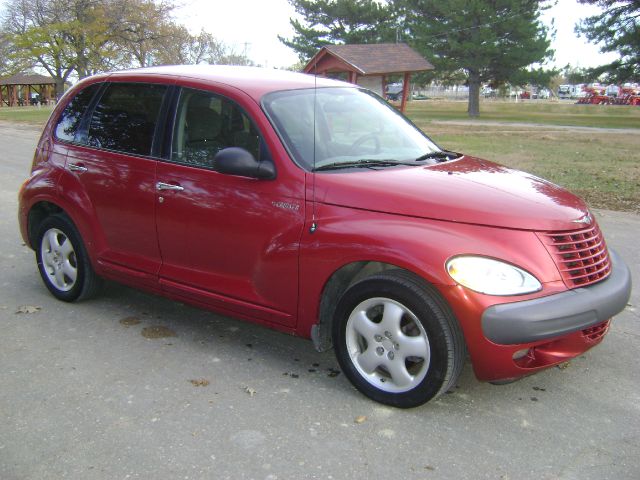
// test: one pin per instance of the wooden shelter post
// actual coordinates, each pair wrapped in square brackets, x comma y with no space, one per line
[405,91]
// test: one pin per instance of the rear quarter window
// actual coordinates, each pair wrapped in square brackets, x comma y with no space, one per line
[71,116]
[125,118]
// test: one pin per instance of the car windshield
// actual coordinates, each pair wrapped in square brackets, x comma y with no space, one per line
[353,127]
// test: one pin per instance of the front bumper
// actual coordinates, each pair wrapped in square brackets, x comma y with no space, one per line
[560,314]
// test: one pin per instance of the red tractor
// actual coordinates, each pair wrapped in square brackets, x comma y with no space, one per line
[628,96]
[596,96]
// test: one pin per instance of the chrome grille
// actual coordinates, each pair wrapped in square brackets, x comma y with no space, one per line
[581,255]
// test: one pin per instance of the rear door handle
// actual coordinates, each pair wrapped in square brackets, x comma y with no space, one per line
[77,168]
[168,186]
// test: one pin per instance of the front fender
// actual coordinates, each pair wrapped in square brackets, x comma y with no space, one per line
[421,246]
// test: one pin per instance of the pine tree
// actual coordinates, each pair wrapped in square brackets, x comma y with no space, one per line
[491,41]
[339,21]
[616,29]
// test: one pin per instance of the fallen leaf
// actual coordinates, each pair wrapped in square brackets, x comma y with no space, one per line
[129,321]
[250,391]
[157,331]
[28,309]
[564,366]
[200,383]
[360,419]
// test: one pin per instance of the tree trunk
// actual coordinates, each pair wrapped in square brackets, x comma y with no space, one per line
[82,64]
[59,87]
[474,94]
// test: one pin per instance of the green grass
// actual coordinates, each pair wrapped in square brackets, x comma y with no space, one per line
[29,115]
[529,111]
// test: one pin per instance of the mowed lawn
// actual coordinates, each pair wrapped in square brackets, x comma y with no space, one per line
[530,111]
[26,115]
[603,167]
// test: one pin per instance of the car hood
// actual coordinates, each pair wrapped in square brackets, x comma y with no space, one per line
[466,190]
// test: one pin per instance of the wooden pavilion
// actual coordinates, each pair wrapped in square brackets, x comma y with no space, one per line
[370,65]
[19,89]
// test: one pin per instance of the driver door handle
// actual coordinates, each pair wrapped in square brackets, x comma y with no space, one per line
[168,186]
[77,168]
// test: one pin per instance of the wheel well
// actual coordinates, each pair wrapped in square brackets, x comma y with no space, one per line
[339,282]
[37,214]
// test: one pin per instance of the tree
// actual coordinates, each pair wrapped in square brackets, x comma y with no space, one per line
[145,29]
[6,66]
[537,77]
[489,40]
[36,30]
[90,36]
[231,57]
[87,31]
[339,21]
[616,29]
[184,48]
[575,75]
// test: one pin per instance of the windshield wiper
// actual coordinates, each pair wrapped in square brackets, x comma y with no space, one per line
[440,155]
[364,163]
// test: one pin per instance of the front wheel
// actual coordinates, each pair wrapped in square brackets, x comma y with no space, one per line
[397,340]
[63,262]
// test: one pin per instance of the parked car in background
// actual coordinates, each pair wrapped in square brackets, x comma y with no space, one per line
[394,91]
[543,93]
[612,91]
[313,207]
[488,92]
[566,91]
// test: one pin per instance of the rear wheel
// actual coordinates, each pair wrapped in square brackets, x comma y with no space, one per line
[63,262]
[396,339]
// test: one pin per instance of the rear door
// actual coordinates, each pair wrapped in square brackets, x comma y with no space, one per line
[113,164]
[226,241]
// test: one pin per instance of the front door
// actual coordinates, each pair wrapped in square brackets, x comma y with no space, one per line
[226,241]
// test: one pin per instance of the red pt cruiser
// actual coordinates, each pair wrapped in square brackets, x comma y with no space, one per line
[311,206]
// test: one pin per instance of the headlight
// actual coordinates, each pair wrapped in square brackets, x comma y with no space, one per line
[493,277]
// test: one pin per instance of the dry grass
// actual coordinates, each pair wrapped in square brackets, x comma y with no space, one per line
[601,167]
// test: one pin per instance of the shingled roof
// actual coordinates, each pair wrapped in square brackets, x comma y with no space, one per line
[375,58]
[27,79]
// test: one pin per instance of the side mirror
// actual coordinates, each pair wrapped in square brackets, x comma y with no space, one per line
[238,161]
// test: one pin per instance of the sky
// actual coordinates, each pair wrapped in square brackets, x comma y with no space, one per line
[253,26]
[571,49]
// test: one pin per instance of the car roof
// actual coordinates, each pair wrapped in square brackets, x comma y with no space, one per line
[255,81]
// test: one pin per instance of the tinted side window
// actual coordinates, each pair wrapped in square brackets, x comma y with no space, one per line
[125,117]
[205,124]
[69,121]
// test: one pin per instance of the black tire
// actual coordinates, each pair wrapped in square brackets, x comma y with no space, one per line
[59,253]
[419,322]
